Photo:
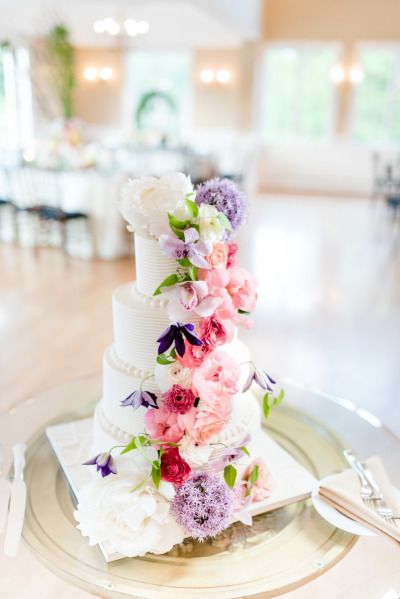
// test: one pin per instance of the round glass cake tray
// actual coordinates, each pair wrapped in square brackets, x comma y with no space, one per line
[282,550]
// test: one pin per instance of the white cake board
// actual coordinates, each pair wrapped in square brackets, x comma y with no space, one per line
[72,444]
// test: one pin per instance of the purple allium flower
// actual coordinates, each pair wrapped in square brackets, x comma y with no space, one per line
[141,398]
[203,506]
[104,463]
[226,197]
[174,334]
[191,248]
[262,378]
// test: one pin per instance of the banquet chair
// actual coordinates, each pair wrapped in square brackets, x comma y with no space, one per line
[7,208]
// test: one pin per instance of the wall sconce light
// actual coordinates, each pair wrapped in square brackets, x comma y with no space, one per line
[217,76]
[337,74]
[356,75]
[93,74]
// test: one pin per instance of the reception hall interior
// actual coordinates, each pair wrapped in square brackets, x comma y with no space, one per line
[296,103]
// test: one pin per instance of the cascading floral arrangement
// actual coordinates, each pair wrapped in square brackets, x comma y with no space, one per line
[209,295]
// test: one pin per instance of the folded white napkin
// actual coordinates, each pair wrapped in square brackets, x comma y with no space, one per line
[343,493]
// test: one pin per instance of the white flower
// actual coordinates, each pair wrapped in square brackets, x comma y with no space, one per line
[211,228]
[174,374]
[195,455]
[188,298]
[129,522]
[145,202]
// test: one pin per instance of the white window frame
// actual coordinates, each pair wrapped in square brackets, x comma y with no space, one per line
[358,47]
[333,117]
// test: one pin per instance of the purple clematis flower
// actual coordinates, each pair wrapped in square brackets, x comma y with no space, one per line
[262,379]
[191,248]
[175,334]
[140,398]
[104,463]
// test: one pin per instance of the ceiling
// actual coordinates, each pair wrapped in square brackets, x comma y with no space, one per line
[173,23]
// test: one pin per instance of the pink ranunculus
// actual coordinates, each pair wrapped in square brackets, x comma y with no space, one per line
[214,332]
[219,255]
[262,488]
[242,288]
[217,378]
[232,252]
[174,469]
[216,279]
[163,425]
[178,399]
[194,355]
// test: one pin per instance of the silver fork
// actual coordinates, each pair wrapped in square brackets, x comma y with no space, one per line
[379,504]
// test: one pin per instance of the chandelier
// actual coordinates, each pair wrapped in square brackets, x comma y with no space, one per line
[128,27]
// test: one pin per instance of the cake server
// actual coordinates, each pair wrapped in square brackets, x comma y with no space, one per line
[5,490]
[17,503]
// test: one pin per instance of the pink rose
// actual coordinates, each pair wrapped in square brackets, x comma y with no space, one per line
[219,256]
[194,355]
[242,288]
[232,251]
[214,332]
[178,399]
[174,469]
[202,423]
[163,425]
[216,379]
[262,487]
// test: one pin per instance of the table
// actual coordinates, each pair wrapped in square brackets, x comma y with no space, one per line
[369,570]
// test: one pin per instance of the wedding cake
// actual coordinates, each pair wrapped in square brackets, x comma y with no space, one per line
[177,433]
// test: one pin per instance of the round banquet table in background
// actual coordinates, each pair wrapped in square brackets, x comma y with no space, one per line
[290,551]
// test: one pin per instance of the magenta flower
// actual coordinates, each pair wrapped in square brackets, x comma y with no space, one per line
[192,248]
[261,378]
[179,400]
[141,398]
[174,334]
[203,505]
[104,463]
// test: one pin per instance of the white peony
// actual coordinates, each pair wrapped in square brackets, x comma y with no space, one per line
[211,228]
[145,202]
[195,455]
[129,522]
[174,374]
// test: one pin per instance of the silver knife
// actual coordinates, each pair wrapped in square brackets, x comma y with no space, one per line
[17,503]
[5,489]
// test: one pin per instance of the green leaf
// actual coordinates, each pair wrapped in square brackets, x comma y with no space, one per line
[193,272]
[245,450]
[184,262]
[243,311]
[156,464]
[230,474]
[168,282]
[130,447]
[278,399]
[254,474]
[225,222]
[156,476]
[164,360]
[172,353]
[142,440]
[192,208]
[266,406]
[174,223]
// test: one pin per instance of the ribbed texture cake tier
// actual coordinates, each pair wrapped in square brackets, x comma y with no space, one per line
[152,267]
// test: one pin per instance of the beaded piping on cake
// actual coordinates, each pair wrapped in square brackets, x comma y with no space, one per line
[147,300]
[125,367]
[229,436]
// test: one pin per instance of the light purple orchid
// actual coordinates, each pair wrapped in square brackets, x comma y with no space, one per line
[190,297]
[261,378]
[226,457]
[191,248]
[104,463]
[174,334]
[140,398]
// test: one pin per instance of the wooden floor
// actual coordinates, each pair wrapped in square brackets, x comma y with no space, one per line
[328,315]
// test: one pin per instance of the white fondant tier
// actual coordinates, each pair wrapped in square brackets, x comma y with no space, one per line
[152,266]
[138,322]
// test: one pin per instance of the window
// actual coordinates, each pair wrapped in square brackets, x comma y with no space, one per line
[376,116]
[298,98]
[16,113]
[157,95]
